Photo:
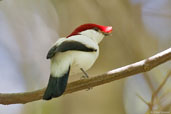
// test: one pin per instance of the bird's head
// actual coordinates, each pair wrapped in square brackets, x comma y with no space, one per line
[93,31]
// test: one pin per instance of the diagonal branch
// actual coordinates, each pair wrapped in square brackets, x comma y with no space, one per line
[116,74]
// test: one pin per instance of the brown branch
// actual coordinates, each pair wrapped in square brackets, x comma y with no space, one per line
[156,92]
[123,72]
[155,95]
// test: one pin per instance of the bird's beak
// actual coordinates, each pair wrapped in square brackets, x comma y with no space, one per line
[107,31]
[107,34]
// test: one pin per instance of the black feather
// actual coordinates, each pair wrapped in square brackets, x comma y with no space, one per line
[56,86]
[74,45]
[52,52]
[69,46]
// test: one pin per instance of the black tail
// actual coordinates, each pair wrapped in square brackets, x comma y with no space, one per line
[56,86]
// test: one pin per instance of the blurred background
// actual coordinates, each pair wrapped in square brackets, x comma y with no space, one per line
[141,28]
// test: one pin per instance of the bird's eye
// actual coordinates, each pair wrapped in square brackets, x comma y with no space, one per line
[96,29]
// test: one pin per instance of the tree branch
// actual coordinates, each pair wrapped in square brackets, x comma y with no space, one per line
[116,74]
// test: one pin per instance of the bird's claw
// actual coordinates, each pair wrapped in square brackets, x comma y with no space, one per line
[85,76]
[89,88]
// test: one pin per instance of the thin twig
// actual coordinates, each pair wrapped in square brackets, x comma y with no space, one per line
[142,99]
[149,82]
[123,72]
[156,92]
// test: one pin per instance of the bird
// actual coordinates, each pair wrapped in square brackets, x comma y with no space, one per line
[73,54]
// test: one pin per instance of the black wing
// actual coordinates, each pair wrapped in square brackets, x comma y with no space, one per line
[68,46]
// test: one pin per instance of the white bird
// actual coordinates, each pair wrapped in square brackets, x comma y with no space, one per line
[73,54]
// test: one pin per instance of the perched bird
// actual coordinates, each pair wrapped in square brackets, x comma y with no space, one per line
[72,54]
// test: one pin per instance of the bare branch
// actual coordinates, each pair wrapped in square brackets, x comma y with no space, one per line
[116,74]
[156,92]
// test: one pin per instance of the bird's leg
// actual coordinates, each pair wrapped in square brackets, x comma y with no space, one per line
[85,74]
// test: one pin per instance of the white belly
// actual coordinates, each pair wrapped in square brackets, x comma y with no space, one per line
[83,60]
[75,59]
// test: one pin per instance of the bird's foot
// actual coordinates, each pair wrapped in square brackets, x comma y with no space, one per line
[85,76]
[89,88]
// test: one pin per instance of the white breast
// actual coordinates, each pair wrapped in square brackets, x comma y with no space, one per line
[83,60]
[74,59]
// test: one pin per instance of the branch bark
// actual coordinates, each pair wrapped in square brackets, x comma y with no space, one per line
[116,74]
